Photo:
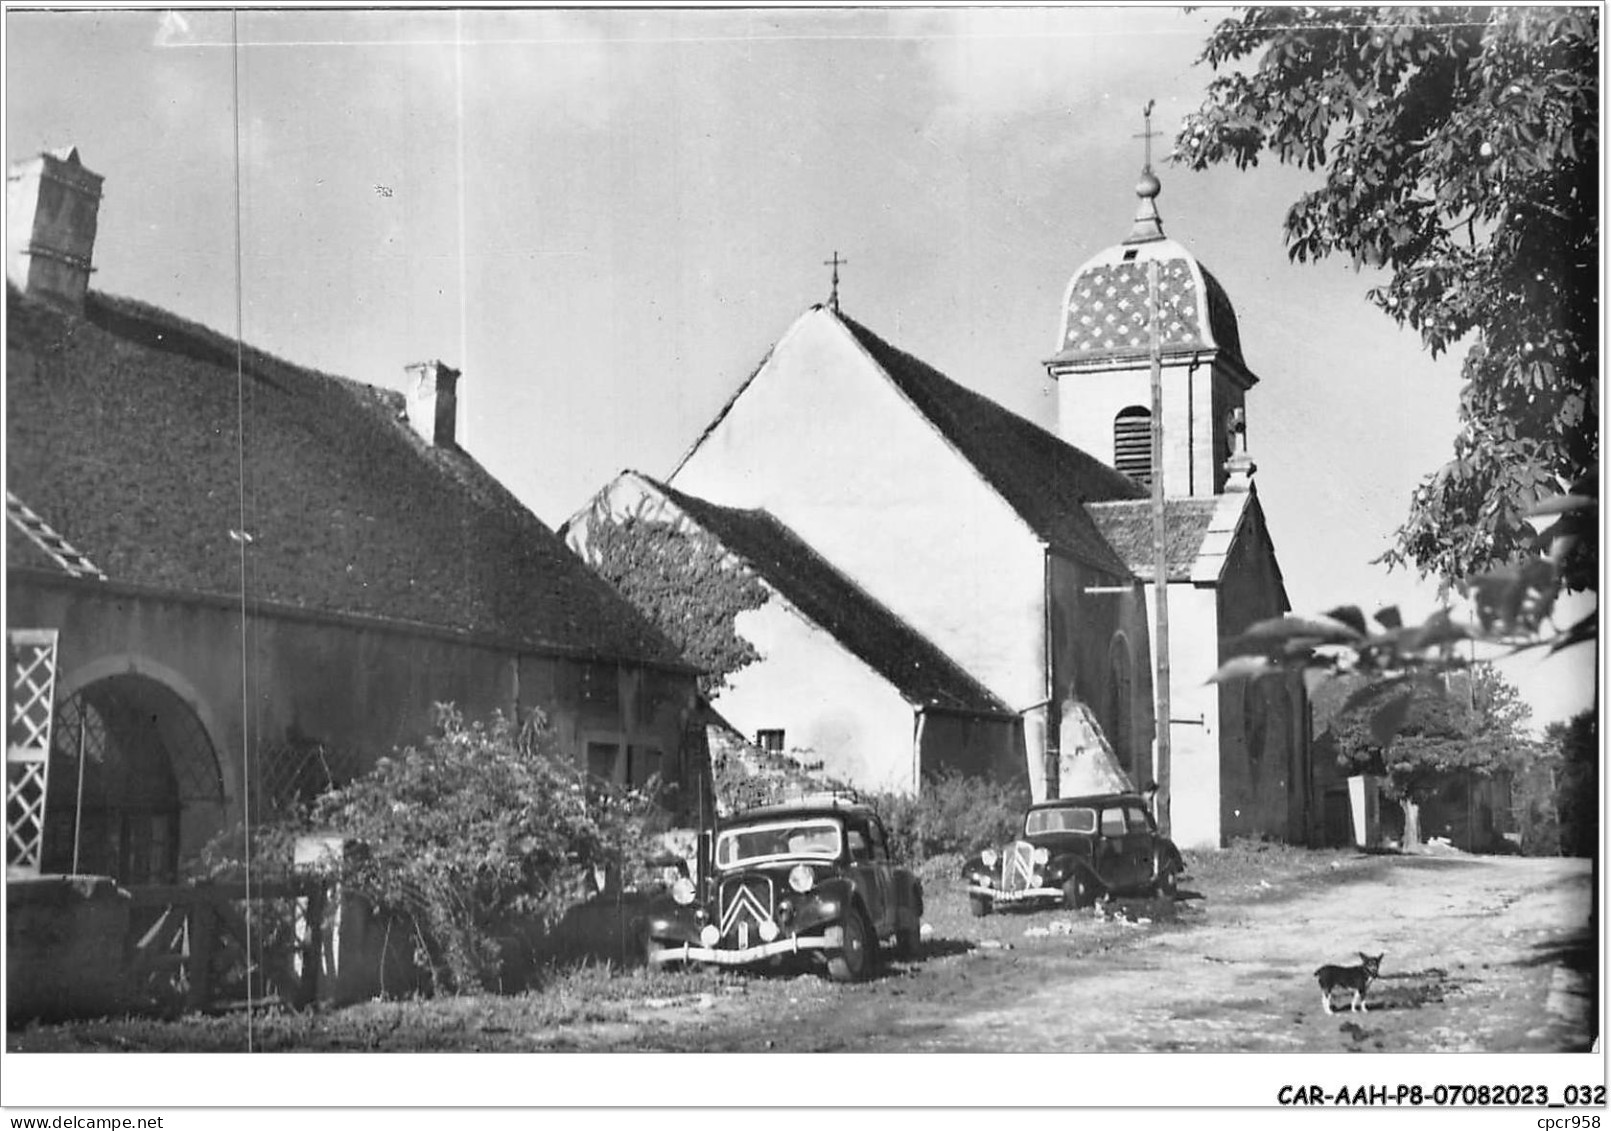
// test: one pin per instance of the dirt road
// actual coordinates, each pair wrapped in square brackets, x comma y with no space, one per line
[1490,954]
[1484,954]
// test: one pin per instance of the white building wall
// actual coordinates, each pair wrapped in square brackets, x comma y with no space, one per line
[1088,402]
[828,703]
[1194,739]
[825,441]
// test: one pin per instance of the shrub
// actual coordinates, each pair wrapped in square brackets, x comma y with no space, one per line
[953,813]
[480,833]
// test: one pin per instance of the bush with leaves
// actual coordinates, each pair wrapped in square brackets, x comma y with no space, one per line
[482,831]
[953,812]
[1576,746]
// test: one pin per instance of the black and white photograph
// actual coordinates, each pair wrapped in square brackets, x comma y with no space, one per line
[1023,538]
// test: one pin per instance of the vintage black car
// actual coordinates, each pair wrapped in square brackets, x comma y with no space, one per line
[1075,850]
[813,878]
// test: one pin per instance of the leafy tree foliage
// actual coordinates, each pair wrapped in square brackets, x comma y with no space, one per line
[682,580]
[1459,150]
[1468,723]
[1575,746]
[471,838]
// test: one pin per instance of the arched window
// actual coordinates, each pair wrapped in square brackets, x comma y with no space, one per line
[128,756]
[1132,443]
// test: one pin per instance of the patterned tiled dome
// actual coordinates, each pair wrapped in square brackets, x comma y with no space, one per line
[1105,309]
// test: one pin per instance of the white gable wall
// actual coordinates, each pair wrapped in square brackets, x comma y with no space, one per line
[824,440]
[827,702]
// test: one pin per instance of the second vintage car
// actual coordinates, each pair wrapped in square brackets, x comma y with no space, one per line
[812,878]
[1075,850]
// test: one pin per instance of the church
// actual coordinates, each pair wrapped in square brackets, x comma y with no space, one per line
[947,585]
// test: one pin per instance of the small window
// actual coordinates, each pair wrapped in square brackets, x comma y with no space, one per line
[1132,443]
[770,740]
[643,763]
[1130,255]
[601,759]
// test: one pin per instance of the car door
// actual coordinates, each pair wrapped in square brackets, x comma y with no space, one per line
[869,869]
[1115,865]
[1138,843]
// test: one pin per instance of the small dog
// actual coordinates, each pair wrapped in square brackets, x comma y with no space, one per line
[1356,978]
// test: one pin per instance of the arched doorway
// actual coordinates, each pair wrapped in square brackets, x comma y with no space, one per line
[128,756]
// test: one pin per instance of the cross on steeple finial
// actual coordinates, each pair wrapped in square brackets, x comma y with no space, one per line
[1147,224]
[1148,133]
[835,263]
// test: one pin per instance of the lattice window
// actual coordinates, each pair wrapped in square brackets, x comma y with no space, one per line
[297,772]
[28,722]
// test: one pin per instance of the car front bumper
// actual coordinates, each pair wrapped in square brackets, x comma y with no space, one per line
[1000,895]
[831,939]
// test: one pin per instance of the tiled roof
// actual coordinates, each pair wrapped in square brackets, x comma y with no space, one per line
[1128,528]
[122,435]
[916,668]
[1105,314]
[1048,482]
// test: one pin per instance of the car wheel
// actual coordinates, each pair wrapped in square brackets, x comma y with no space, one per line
[854,958]
[1166,885]
[979,905]
[907,944]
[1078,892]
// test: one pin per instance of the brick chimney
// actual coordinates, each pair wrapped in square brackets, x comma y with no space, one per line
[433,402]
[52,203]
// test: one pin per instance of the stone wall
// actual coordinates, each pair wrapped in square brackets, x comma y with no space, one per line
[65,940]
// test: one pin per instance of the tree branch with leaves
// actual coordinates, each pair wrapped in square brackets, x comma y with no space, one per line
[1459,153]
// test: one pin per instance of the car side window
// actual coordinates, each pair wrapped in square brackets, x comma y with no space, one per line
[856,840]
[1113,822]
[1138,819]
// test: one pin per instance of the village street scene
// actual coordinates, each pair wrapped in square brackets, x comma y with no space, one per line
[1058,530]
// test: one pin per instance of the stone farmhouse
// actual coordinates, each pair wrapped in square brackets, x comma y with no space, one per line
[231,579]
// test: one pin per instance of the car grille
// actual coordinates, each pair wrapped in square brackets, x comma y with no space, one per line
[1017,866]
[746,903]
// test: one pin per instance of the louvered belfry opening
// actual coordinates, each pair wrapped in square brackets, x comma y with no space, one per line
[1132,444]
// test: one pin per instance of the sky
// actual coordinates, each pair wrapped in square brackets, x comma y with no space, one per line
[605,218]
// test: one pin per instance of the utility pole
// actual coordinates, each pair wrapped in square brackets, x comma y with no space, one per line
[1148,188]
[1160,552]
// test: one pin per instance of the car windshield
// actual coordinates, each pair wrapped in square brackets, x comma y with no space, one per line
[813,838]
[1070,820]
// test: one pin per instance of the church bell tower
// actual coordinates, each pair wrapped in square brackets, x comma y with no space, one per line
[1103,361]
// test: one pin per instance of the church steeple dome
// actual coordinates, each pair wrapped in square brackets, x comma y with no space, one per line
[1102,362]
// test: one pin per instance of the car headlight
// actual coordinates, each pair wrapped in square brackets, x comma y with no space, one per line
[1037,880]
[802,879]
[769,931]
[683,891]
[988,858]
[1042,855]
[710,936]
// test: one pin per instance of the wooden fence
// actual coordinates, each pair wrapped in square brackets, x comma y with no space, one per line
[198,946]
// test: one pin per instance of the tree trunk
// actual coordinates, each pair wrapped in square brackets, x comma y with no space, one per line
[1412,824]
